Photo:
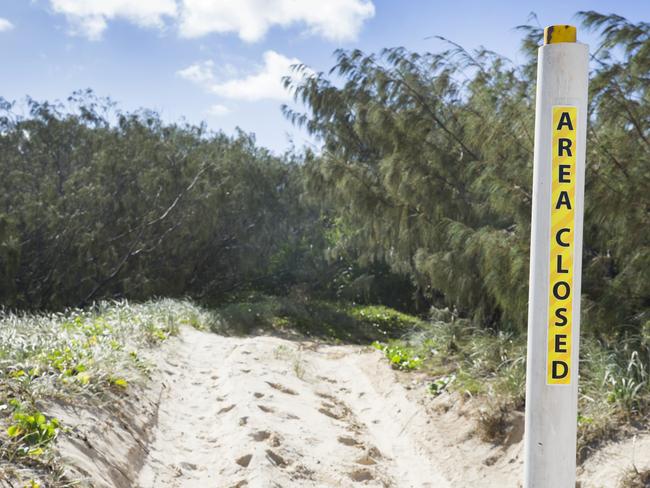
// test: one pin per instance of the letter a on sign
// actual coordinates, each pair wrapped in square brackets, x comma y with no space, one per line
[560,302]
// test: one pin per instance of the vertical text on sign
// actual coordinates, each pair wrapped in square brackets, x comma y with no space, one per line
[563,184]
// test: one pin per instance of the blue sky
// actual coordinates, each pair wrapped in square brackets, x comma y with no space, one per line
[220,61]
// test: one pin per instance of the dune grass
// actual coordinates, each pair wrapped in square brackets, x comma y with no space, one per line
[83,356]
[614,394]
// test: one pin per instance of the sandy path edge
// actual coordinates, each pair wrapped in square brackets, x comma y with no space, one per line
[105,445]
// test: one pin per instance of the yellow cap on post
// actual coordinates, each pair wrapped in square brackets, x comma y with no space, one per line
[559,33]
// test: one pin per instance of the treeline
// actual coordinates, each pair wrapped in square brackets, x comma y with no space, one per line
[97,203]
[427,166]
[420,195]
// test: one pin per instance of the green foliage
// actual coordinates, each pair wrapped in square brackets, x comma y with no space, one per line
[437,386]
[385,319]
[32,430]
[614,392]
[99,203]
[332,321]
[426,166]
[399,356]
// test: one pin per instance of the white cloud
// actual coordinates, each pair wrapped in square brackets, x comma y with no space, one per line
[218,110]
[198,72]
[265,84]
[90,17]
[337,20]
[5,25]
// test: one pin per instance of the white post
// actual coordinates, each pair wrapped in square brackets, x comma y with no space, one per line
[555,261]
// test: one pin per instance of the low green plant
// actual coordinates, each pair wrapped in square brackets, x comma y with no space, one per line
[614,389]
[400,355]
[386,321]
[437,386]
[31,429]
[299,368]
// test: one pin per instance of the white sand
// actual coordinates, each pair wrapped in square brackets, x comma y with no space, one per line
[265,412]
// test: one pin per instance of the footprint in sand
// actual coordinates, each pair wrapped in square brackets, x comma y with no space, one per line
[281,388]
[361,475]
[329,380]
[349,441]
[244,461]
[326,396]
[330,414]
[365,460]
[260,435]
[226,409]
[331,411]
[276,459]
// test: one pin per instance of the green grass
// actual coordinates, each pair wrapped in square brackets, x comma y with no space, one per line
[475,363]
[318,319]
[614,390]
[79,356]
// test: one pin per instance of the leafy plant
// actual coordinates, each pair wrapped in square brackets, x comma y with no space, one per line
[437,386]
[400,356]
[32,430]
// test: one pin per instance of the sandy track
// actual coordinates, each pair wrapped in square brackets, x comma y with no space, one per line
[224,412]
[267,412]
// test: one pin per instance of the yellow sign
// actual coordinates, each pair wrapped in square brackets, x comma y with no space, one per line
[563,184]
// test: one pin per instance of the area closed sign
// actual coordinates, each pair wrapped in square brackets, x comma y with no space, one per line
[555,260]
[563,183]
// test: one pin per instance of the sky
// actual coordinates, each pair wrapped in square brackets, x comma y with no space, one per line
[221,61]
